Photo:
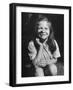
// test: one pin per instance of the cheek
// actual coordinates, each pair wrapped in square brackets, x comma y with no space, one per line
[38,31]
[48,31]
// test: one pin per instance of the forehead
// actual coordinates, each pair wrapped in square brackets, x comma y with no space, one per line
[44,23]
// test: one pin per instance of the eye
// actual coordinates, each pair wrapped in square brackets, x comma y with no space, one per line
[40,28]
[46,28]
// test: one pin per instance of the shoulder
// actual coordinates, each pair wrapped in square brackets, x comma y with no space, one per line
[57,46]
[31,45]
[56,43]
[57,51]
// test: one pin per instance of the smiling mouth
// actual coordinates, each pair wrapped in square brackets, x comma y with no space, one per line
[43,34]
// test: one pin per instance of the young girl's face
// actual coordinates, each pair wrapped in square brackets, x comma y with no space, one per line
[43,29]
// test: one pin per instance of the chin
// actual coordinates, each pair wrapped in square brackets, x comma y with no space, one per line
[43,38]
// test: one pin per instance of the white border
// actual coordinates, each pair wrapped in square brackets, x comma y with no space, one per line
[25,80]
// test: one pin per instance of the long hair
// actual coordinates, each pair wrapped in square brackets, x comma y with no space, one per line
[51,37]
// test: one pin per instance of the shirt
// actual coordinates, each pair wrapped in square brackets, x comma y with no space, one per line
[46,53]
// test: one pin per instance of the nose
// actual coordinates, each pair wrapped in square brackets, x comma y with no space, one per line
[43,30]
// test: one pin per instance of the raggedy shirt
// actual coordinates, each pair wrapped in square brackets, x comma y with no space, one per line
[46,54]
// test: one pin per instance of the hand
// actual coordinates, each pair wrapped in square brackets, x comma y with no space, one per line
[52,61]
[38,41]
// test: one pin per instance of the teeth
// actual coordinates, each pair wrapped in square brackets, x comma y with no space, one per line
[43,34]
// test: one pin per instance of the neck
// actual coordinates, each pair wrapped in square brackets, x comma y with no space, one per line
[43,40]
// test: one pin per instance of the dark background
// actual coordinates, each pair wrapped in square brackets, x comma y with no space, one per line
[28,20]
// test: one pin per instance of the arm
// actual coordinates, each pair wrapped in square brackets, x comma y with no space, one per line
[55,55]
[33,52]
[38,56]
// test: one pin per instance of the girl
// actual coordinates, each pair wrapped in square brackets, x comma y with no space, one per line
[43,49]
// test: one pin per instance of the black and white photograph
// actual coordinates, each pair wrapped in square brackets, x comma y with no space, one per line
[40,44]
[42,51]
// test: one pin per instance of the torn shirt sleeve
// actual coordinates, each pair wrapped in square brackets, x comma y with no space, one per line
[56,53]
[32,50]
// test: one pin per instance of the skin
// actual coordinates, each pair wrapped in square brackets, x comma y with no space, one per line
[43,30]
